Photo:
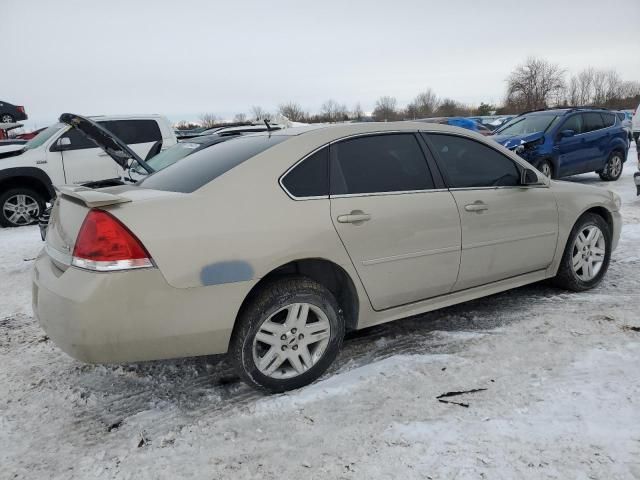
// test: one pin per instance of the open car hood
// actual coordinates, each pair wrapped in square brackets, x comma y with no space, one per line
[107,141]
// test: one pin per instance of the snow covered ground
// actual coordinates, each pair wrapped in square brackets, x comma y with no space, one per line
[561,372]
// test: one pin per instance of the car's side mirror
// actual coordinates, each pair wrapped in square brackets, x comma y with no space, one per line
[567,133]
[63,143]
[529,177]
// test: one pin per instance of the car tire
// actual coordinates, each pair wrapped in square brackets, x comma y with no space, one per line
[546,168]
[267,347]
[613,168]
[7,118]
[29,201]
[573,273]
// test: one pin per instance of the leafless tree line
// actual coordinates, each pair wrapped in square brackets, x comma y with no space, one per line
[536,83]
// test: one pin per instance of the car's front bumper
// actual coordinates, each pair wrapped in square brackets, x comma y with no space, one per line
[133,315]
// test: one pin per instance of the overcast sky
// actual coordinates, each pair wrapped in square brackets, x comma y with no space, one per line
[184,58]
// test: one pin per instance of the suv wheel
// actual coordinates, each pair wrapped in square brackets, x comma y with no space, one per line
[546,169]
[20,206]
[287,335]
[6,118]
[586,255]
[613,168]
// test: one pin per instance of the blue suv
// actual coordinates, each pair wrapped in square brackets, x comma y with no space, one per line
[568,141]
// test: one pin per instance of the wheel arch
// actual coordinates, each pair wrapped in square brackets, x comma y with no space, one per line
[30,177]
[323,271]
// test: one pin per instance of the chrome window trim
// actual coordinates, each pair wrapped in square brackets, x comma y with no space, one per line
[377,194]
[328,144]
[499,187]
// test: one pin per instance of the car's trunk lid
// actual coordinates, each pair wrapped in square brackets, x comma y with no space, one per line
[71,207]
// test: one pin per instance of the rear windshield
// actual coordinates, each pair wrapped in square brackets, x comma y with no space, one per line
[201,167]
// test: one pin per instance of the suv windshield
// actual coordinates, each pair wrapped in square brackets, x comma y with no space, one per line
[201,167]
[43,136]
[528,124]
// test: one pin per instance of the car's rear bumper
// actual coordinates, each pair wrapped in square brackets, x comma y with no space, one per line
[131,316]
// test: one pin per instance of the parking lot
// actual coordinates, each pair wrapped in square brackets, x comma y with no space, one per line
[554,375]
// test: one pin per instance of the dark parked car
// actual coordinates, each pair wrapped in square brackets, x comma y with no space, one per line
[10,113]
[568,141]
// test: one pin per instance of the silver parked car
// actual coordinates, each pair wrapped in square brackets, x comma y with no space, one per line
[270,246]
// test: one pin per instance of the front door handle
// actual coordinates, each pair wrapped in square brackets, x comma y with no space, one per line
[356,216]
[476,207]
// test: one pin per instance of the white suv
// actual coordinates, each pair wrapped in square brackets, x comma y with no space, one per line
[63,155]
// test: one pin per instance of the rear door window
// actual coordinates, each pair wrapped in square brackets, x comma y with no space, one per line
[132,132]
[608,119]
[592,122]
[310,178]
[203,166]
[378,164]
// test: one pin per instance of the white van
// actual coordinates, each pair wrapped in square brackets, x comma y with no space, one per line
[63,155]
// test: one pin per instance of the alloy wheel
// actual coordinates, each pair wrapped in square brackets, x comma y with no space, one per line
[6,119]
[615,166]
[21,209]
[291,341]
[546,169]
[588,253]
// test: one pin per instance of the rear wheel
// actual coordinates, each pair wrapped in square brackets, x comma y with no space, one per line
[287,335]
[586,256]
[20,206]
[6,118]
[613,168]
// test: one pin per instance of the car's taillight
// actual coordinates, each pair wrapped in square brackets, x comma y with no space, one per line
[20,108]
[104,244]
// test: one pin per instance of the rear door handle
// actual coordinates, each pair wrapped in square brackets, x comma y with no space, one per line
[355,216]
[476,207]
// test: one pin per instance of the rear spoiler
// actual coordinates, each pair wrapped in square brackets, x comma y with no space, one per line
[91,198]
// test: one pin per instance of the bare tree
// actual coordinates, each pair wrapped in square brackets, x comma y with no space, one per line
[332,111]
[260,114]
[240,118]
[208,120]
[357,113]
[452,108]
[535,84]
[292,111]
[385,109]
[425,104]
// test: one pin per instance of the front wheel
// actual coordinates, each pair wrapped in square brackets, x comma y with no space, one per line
[546,169]
[586,256]
[613,168]
[19,207]
[287,335]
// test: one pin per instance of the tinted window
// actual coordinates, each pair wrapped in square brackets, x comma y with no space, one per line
[310,178]
[381,163]
[608,119]
[573,123]
[79,140]
[467,163]
[621,116]
[201,167]
[592,121]
[134,131]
